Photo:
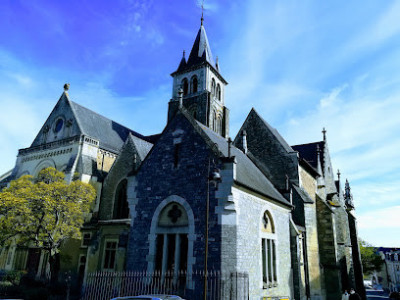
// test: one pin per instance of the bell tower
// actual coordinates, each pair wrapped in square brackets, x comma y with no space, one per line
[203,86]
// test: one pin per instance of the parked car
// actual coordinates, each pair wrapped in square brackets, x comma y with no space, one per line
[149,297]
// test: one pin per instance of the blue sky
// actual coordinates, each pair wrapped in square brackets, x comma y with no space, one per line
[303,65]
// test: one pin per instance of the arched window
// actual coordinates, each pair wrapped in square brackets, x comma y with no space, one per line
[219,125]
[218,95]
[185,86]
[193,84]
[215,122]
[213,87]
[121,208]
[171,253]
[268,251]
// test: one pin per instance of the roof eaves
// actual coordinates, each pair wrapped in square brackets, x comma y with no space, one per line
[280,201]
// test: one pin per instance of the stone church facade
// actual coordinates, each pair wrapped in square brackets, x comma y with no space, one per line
[273,211]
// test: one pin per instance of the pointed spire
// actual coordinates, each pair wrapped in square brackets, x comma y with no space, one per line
[182,64]
[201,50]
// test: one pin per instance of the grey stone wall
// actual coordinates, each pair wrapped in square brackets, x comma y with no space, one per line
[127,161]
[250,211]
[327,250]
[158,179]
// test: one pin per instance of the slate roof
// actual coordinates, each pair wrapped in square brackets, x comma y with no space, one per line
[308,152]
[247,173]
[302,194]
[5,178]
[275,132]
[110,134]
[142,147]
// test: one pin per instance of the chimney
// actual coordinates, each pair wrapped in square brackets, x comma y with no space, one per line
[244,141]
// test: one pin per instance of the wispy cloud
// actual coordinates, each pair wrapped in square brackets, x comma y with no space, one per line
[388,218]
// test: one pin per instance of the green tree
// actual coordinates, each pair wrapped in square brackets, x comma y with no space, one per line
[370,258]
[44,212]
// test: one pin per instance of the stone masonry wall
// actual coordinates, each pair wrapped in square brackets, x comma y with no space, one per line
[309,184]
[250,212]
[158,179]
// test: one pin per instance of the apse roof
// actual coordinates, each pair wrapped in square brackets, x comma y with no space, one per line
[110,134]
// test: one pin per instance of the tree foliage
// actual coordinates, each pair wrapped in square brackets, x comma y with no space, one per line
[45,211]
[370,258]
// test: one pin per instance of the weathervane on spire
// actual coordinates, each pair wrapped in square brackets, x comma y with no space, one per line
[202,9]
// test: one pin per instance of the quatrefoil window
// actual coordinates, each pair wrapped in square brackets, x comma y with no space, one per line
[174,213]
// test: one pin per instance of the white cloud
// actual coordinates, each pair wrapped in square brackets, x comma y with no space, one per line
[380,218]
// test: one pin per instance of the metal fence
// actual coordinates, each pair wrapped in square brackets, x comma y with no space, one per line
[106,285]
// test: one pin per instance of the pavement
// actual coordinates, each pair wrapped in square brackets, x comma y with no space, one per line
[373,294]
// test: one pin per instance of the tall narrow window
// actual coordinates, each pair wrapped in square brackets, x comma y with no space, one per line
[193,84]
[218,93]
[110,251]
[268,252]
[177,148]
[215,122]
[185,86]
[213,87]
[121,207]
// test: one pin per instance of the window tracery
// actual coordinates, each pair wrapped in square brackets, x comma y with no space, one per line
[268,251]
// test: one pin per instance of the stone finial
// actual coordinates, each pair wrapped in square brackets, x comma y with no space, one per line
[324,133]
[320,179]
[66,87]
[180,97]
[348,197]
[338,174]
[202,10]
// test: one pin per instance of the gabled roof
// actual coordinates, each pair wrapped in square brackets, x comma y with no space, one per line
[276,134]
[111,135]
[308,152]
[247,173]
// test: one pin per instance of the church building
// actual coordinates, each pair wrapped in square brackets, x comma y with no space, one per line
[192,199]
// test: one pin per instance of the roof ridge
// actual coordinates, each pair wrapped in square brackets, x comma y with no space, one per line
[312,143]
